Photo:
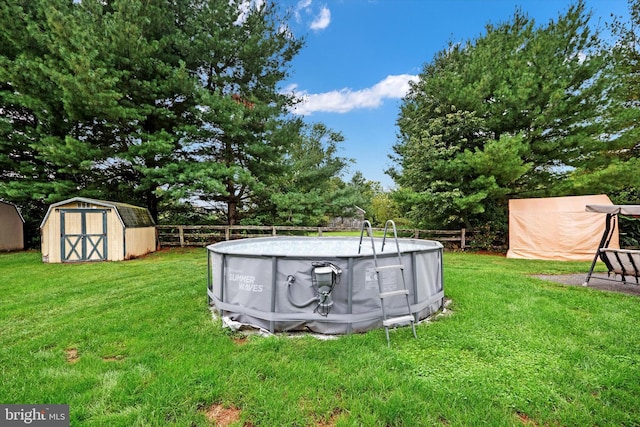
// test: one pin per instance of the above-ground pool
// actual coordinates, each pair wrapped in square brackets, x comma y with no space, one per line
[321,284]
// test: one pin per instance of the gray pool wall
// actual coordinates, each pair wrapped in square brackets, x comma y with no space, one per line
[249,281]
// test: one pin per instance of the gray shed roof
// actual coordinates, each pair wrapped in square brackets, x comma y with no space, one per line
[131,216]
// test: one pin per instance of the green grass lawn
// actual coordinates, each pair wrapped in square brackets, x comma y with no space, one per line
[133,344]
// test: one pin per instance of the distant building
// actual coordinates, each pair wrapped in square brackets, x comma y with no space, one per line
[349,222]
[11,228]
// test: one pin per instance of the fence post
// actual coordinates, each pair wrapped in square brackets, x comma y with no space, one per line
[463,233]
[319,231]
[273,230]
[181,234]
[227,233]
[417,234]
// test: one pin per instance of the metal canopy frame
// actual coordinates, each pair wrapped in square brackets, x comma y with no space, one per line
[612,212]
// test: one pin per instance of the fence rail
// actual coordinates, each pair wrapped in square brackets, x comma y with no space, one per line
[203,235]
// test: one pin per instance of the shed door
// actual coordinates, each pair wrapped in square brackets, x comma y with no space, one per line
[83,234]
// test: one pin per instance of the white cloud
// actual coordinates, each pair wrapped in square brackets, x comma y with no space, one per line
[345,100]
[303,5]
[322,20]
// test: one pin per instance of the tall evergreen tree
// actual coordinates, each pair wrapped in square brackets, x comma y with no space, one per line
[510,114]
[240,60]
[613,168]
[105,98]
[141,100]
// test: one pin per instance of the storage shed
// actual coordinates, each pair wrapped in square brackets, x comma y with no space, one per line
[556,228]
[82,229]
[11,228]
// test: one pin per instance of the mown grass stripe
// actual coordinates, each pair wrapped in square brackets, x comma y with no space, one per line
[513,350]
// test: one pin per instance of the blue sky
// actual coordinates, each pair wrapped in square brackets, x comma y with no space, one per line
[359,55]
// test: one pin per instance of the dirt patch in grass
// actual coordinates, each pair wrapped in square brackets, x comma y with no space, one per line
[72,355]
[221,416]
[241,340]
[117,358]
[525,420]
[443,421]
[333,419]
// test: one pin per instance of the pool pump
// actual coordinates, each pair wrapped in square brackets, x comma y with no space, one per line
[324,277]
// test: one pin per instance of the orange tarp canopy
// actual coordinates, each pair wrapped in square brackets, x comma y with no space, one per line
[557,228]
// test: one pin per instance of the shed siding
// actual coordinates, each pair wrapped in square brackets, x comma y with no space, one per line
[122,242]
[52,231]
[51,239]
[11,228]
[139,241]
[45,240]
[115,237]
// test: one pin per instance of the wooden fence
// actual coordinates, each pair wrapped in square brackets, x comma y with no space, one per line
[203,235]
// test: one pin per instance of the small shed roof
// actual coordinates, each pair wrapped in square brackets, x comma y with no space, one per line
[130,216]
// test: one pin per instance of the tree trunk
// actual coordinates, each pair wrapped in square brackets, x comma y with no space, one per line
[232,208]
[232,204]
[152,205]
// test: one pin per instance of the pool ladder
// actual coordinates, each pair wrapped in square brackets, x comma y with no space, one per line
[389,321]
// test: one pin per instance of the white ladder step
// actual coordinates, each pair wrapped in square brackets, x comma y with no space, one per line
[394,293]
[390,267]
[397,320]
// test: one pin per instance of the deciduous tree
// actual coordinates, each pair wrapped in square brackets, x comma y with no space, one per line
[308,191]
